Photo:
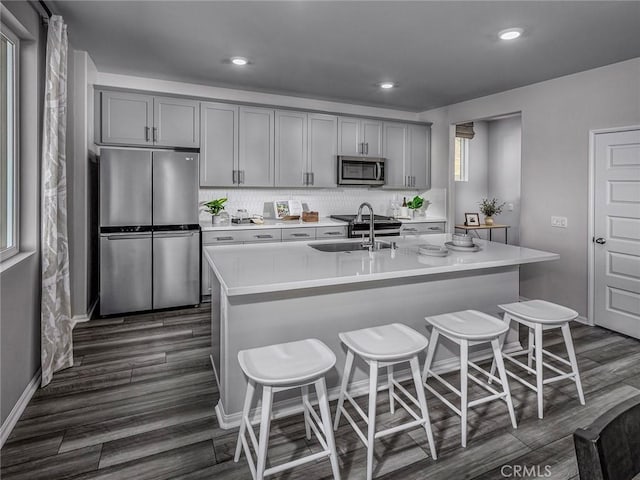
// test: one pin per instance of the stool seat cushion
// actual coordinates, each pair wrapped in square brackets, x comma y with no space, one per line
[385,343]
[287,363]
[540,311]
[468,325]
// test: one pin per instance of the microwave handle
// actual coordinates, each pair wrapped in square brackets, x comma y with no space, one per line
[378,171]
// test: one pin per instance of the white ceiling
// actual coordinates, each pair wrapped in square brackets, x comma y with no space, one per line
[439,52]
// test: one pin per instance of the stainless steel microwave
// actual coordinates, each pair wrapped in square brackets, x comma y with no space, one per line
[360,170]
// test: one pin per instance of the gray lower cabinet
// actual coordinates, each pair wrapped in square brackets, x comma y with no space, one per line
[219,127]
[135,119]
[126,118]
[256,152]
[422,228]
[176,122]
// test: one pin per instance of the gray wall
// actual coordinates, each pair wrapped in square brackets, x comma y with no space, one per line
[20,284]
[469,193]
[503,181]
[556,118]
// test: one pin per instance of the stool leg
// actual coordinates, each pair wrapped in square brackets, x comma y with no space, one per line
[530,348]
[343,388]
[433,343]
[566,333]
[415,371]
[539,369]
[497,354]
[392,404]
[265,425]
[507,319]
[305,399]
[248,398]
[325,414]
[373,390]
[464,358]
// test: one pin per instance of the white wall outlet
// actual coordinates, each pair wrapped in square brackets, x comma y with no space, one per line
[559,222]
[510,207]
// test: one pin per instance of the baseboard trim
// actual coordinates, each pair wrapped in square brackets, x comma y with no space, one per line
[86,317]
[292,406]
[18,408]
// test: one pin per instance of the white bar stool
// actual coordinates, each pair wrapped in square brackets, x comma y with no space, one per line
[466,328]
[540,315]
[278,368]
[384,346]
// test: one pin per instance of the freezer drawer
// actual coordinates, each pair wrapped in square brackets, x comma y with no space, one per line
[125,273]
[176,269]
[175,188]
[125,187]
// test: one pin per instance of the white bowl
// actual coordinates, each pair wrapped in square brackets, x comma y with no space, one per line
[462,240]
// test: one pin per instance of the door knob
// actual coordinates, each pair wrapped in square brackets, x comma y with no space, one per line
[600,241]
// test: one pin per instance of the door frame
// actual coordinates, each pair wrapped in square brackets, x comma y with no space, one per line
[591,251]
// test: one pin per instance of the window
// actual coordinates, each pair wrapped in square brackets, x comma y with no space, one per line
[461,160]
[9,49]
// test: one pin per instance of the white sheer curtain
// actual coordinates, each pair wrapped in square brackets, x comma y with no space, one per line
[56,325]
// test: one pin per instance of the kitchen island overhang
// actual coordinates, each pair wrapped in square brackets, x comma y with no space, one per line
[273,293]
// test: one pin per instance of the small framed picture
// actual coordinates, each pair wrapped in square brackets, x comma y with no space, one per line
[472,219]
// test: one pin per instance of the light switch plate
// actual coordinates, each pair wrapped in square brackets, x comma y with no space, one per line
[559,222]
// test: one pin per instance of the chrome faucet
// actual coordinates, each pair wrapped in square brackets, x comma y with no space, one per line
[372,238]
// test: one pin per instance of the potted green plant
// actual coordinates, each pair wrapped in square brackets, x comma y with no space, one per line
[418,206]
[214,207]
[489,208]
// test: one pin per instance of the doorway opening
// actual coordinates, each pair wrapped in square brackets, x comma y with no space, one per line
[487,164]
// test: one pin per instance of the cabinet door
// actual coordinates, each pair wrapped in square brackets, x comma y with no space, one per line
[396,143]
[291,149]
[219,144]
[372,137]
[205,282]
[419,157]
[349,141]
[323,149]
[256,163]
[126,118]
[176,122]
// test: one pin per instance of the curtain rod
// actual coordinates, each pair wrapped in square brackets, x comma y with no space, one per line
[46,9]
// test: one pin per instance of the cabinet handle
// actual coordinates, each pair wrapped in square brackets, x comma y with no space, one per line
[366,148]
[146,134]
[300,235]
[224,239]
[332,233]
[234,176]
[155,134]
[435,228]
[263,236]
[242,176]
[410,230]
[312,178]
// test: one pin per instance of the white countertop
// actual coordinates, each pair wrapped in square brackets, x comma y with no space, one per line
[323,222]
[274,267]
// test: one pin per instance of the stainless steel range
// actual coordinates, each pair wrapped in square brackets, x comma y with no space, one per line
[383,226]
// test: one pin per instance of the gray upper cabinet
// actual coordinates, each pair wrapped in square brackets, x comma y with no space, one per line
[126,118]
[406,148]
[359,136]
[291,149]
[176,122]
[219,126]
[420,156]
[136,119]
[396,146]
[256,151]
[323,148]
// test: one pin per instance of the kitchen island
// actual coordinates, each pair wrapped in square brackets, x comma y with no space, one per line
[274,293]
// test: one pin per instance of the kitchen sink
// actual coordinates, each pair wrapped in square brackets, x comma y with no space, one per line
[346,246]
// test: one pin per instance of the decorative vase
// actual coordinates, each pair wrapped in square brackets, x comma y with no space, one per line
[488,220]
[216,219]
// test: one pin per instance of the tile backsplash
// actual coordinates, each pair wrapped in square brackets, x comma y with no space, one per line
[325,201]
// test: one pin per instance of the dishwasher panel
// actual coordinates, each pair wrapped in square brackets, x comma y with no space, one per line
[125,272]
[176,268]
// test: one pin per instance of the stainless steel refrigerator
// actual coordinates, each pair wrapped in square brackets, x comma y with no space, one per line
[149,232]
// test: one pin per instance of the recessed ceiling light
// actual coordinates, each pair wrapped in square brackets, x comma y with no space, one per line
[387,85]
[239,61]
[510,33]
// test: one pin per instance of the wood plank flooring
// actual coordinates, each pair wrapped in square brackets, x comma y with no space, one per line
[139,404]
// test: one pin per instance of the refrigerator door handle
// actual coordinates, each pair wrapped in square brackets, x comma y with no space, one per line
[175,233]
[125,236]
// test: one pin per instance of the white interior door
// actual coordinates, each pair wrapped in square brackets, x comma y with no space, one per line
[617,231]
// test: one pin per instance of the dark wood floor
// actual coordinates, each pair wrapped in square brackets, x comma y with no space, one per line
[138,404]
